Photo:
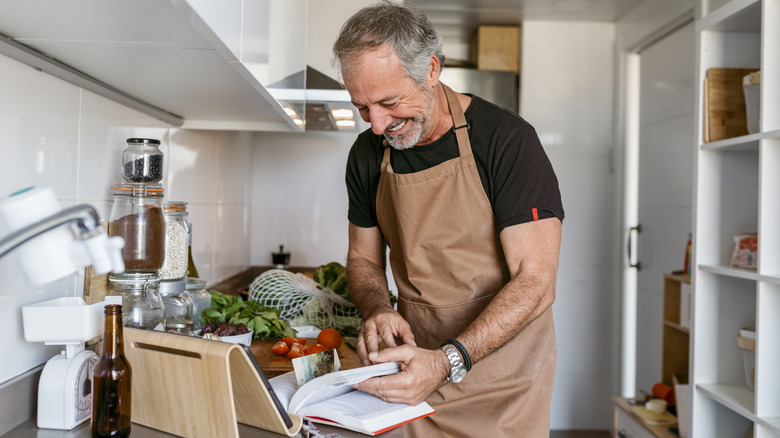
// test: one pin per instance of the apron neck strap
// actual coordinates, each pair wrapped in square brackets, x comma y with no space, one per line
[459,124]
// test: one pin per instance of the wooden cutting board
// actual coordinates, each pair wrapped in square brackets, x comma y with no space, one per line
[273,365]
[664,418]
[724,103]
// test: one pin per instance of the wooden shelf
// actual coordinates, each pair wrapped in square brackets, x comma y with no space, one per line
[677,327]
[676,336]
[658,431]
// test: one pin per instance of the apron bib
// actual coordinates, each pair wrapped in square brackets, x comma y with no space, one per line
[448,264]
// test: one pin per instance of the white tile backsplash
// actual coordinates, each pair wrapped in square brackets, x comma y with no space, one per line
[300,197]
[57,134]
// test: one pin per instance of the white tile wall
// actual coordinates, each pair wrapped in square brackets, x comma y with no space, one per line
[300,197]
[566,93]
[54,133]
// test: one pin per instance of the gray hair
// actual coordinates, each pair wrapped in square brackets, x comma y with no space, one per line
[403,27]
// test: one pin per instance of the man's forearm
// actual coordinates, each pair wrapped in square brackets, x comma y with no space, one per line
[516,305]
[368,286]
[531,252]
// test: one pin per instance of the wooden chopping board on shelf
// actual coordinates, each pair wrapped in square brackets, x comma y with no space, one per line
[724,103]
[273,365]
[664,418]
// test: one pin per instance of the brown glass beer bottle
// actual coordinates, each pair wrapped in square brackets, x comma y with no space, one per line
[111,381]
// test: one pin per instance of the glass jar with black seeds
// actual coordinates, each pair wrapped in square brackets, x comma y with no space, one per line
[142,161]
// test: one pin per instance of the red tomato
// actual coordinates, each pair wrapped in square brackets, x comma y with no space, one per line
[314,348]
[330,338]
[280,348]
[291,341]
[295,351]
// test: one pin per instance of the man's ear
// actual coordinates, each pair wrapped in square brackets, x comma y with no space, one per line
[434,70]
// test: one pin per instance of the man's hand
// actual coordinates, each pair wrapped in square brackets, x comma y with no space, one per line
[384,326]
[422,372]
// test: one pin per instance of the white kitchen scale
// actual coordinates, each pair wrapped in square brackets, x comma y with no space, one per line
[65,387]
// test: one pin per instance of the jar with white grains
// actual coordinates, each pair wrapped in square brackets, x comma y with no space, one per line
[176,241]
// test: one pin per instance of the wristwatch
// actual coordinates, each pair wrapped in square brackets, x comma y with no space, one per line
[457,368]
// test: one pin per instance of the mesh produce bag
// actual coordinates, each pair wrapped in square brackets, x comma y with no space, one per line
[303,301]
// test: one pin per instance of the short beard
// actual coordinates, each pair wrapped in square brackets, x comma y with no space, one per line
[419,123]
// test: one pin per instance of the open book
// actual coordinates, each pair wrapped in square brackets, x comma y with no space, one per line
[330,399]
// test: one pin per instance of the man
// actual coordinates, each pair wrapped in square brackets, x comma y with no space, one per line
[464,196]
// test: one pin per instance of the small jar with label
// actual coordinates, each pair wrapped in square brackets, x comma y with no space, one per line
[137,216]
[201,299]
[142,305]
[178,306]
[176,241]
[142,161]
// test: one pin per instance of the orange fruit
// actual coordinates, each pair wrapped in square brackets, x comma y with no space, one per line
[329,338]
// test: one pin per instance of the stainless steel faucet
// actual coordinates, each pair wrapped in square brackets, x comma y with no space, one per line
[104,252]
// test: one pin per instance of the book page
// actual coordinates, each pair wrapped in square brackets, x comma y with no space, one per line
[334,384]
[363,411]
[284,386]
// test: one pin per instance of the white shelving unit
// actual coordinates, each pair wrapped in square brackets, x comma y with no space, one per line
[737,191]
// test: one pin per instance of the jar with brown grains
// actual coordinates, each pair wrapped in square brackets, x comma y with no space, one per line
[137,216]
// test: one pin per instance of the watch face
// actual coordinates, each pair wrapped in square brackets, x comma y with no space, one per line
[457,375]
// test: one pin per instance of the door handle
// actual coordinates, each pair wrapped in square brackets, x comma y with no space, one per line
[638,264]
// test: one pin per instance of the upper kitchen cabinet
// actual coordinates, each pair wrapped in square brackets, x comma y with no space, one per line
[195,64]
[268,37]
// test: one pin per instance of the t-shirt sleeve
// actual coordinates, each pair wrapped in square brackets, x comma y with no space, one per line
[358,179]
[525,187]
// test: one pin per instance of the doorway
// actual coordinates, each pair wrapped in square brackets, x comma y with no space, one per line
[658,197]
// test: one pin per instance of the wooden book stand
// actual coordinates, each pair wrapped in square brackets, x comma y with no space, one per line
[194,387]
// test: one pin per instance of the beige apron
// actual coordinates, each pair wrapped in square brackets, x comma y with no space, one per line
[448,264]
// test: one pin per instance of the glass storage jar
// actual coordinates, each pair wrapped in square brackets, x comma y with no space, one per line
[142,161]
[137,216]
[142,305]
[176,241]
[178,305]
[201,299]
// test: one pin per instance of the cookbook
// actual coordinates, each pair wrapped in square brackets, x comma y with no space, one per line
[331,399]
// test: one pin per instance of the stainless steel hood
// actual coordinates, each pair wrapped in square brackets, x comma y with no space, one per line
[323,94]
[499,87]
[324,101]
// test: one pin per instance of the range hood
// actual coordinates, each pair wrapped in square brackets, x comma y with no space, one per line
[324,101]
[157,56]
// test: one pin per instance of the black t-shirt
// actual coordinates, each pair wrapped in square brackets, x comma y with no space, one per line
[516,174]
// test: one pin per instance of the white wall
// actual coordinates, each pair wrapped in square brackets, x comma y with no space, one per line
[300,197]
[566,93]
[54,133]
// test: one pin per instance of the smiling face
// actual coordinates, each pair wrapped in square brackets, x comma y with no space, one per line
[393,103]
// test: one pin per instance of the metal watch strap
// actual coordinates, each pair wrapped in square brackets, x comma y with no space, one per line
[457,368]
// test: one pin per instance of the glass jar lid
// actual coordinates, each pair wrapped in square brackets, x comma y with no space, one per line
[138,189]
[175,208]
[172,287]
[149,141]
[133,278]
[195,283]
